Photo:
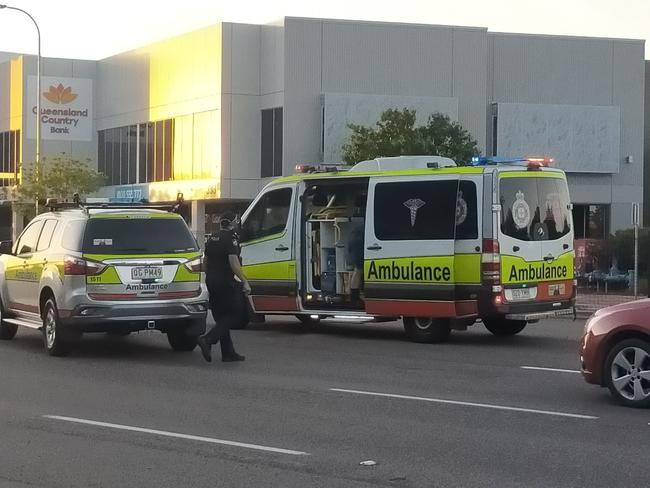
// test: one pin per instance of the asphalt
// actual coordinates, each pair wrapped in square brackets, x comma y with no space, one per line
[306,393]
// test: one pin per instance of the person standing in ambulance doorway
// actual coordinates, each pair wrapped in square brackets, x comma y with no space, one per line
[222,264]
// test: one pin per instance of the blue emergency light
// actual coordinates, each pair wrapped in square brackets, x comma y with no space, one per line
[517,161]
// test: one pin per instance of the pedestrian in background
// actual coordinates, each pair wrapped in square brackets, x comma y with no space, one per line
[222,264]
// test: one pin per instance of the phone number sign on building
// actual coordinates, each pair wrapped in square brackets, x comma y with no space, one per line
[66,108]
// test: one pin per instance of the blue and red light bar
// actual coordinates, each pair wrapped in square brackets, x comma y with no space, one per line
[528,162]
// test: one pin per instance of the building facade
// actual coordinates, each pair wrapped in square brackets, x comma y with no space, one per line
[214,113]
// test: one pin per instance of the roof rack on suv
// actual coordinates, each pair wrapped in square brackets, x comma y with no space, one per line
[54,205]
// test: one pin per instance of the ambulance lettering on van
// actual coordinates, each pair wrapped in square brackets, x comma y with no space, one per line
[415,237]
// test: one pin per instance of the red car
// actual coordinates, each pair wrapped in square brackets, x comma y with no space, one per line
[615,351]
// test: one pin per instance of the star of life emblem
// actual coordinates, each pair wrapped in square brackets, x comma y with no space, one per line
[413,204]
[461,209]
[521,211]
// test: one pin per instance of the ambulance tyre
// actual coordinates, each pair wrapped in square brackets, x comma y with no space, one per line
[57,343]
[7,331]
[501,327]
[427,329]
[183,339]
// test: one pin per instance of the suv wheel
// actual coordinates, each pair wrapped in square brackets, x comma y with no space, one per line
[181,340]
[427,329]
[501,327]
[53,336]
[627,372]
[7,331]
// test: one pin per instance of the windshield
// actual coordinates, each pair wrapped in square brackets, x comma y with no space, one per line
[138,236]
[535,209]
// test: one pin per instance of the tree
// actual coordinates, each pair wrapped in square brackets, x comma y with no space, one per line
[61,177]
[395,134]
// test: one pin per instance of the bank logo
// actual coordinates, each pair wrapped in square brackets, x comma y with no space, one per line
[60,94]
[414,204]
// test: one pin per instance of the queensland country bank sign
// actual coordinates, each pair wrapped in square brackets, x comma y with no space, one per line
[66,108]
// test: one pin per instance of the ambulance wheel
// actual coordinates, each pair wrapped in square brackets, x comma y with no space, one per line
[56,342]
[501,327]
[181,339]
[427,329]
[7,331]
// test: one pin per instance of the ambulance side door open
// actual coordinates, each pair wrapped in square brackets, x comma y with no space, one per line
[409,246]
[268,251]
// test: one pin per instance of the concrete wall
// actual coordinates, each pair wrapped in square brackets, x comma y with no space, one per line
[571,71]
[241,119]
[370,58]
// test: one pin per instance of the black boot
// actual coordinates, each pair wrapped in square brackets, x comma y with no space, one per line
[206,349]
[231,358]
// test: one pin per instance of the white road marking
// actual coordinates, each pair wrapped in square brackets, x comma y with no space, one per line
[557,370]
[177,435]
[469,404]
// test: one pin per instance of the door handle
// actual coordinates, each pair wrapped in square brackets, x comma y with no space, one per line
[515,248]
[282,247]
[549,258]
[565,246]
[374,247]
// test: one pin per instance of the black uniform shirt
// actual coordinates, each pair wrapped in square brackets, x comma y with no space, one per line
[217,250]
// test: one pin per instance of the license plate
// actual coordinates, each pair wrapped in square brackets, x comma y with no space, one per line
[521,294]
[147,273]
[557,289]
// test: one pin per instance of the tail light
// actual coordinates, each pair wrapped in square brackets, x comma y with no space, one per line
[195,266]
[73,266]
[491,262]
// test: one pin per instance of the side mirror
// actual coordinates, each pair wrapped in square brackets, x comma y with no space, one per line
[6,247]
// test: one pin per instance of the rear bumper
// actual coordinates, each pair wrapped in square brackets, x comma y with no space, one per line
[530,316]
[96,317]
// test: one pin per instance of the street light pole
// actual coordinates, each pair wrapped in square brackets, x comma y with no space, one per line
[38,91]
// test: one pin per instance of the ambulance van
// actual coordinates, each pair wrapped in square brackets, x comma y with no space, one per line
[416,238]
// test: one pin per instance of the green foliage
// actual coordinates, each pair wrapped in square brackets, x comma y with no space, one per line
[623,249]
[61,177]
[396,134]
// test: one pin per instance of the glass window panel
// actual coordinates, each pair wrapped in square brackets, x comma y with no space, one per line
[101,162]
[142,156]
[435,215]
[159,136]
[277,142]
[267,143]
[133,150]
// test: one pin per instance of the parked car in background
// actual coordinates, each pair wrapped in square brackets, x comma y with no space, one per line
[615,352]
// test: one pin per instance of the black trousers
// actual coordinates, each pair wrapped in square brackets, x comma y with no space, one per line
[226,302]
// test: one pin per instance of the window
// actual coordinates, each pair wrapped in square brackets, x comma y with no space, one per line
[132,236]
[534,209]
[139,153]
[271,142]
[72,234]
[46,236]
[466,211]
[29,238]
[269,216]
[185,147]
[417,210]
[591,221]
[9,156]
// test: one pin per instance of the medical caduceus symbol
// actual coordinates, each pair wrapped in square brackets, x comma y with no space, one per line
[413,204]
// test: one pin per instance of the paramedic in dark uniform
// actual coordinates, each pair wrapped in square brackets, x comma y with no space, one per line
[222,265]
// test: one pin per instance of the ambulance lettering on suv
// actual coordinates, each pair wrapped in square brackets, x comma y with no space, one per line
[103,268]
[417,238]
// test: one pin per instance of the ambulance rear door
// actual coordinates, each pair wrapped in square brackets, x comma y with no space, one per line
[409,245]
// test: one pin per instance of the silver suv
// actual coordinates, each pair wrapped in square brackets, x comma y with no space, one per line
[106,268]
